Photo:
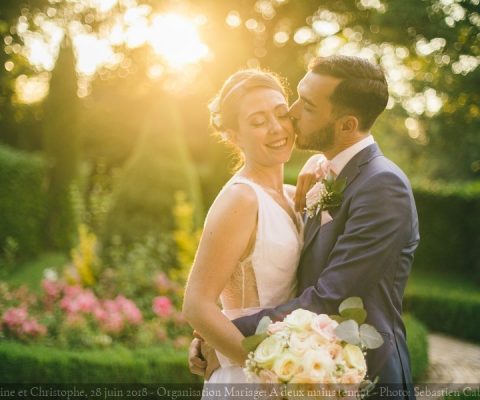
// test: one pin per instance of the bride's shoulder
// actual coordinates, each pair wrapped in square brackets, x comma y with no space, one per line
[238,198]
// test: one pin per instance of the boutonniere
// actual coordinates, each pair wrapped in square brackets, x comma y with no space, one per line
[325,195]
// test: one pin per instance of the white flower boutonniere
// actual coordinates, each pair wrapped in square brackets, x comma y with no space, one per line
[325,195]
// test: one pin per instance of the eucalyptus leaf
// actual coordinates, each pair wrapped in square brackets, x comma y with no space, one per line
[357,314]
[263,325]
[366,387]
[350,302]
[337,318]
[250,343]
[370,337]
[348,331]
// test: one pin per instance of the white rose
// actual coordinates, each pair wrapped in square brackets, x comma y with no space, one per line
[300,320]
[268,350]
[318,365]
[286,366]
[298,343]
[354,357]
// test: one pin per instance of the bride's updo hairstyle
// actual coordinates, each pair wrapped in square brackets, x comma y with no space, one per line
[224,106]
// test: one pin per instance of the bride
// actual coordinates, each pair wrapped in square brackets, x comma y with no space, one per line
[252,238]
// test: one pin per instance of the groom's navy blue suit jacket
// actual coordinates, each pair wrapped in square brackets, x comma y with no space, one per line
[366,251]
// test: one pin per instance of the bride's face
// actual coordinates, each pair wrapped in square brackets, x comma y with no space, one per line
[265,132]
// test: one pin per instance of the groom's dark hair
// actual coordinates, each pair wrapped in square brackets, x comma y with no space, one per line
[363,90]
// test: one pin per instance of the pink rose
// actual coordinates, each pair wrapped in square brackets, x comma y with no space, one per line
[162,306]
[129,310]
[325,326]
[276,327]
[15,316]
[162,282]
[51,289]
[114,323]
[86,301]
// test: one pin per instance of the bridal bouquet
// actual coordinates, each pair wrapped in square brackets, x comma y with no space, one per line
[307,348]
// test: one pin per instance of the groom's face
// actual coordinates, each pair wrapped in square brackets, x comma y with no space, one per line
[313,114]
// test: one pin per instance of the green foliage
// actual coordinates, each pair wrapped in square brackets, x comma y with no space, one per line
[42,364]
[449,217]
[158,168]
[417,342]
[132,270]
[445,303]
[30,272]
[62,149]
[22,203]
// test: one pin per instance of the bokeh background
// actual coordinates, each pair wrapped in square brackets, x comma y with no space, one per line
[107,164]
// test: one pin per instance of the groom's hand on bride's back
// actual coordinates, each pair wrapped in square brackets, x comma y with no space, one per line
[196,362]
[202,359]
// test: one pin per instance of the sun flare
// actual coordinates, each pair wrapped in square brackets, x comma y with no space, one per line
[175,38]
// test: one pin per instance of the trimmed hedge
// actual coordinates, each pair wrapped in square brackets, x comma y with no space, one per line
[445,304]
[449,227]
[22,199]
[417,342]
[20,363]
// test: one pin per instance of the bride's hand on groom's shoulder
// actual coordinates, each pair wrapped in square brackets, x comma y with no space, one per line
[305,181]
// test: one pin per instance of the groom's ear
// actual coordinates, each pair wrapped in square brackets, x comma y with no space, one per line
[348,124]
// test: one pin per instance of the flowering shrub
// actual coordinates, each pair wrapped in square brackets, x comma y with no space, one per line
[17,323]
[74,316]
[128,295]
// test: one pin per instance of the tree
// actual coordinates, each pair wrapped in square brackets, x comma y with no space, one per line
[61,146]
[158,168]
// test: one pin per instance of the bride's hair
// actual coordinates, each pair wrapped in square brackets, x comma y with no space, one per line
[224,106]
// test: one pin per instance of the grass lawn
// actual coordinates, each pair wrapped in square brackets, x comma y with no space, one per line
[31,272]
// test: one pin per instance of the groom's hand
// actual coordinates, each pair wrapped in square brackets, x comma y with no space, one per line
[196,361]
[211,358]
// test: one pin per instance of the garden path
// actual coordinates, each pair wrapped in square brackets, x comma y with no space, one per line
[453,360]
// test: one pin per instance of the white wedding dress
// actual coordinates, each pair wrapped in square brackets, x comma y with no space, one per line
[266,278]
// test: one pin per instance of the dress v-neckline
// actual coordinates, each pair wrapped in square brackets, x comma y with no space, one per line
[296,225]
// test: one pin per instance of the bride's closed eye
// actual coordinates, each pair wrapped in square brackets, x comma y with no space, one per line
[257,122]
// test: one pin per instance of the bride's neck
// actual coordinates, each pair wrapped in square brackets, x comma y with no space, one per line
[270,177]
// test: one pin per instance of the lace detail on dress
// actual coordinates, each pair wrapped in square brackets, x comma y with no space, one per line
[267,276]
[241,290]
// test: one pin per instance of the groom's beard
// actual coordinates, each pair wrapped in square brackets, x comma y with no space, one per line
[320,140]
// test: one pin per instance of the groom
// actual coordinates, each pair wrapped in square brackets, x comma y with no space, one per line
[365,246]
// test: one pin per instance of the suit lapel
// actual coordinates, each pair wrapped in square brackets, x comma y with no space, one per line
[349,172]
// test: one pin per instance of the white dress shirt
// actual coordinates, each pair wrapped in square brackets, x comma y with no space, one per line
[338,162]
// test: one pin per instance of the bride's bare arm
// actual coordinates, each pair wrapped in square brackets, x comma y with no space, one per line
[228,228]
[306,179]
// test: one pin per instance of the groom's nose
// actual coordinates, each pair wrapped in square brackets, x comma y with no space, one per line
[294,110]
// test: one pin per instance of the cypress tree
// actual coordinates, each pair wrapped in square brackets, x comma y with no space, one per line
[61,143]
